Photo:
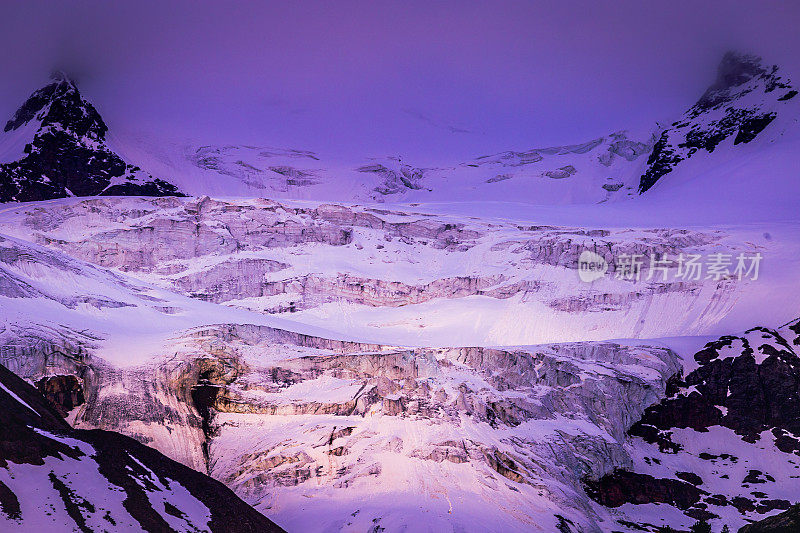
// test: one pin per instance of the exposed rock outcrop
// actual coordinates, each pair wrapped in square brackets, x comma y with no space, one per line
[734,419]
[744,99]
[66,153]
[64,392]
[101,480]
[623,486]
[785,522]
[748,384]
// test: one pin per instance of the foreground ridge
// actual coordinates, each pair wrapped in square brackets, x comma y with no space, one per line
[52,475]
[723,445]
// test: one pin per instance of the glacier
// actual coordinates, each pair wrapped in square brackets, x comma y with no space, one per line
[380,345]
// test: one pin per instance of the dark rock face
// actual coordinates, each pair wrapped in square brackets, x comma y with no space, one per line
[722,112]
[786,522]
[734,70]
[32,432]
[20,443]
[67,155]
[757,390]
[622,487]
[66,108]
[64,392]
[690,477]
[749,384]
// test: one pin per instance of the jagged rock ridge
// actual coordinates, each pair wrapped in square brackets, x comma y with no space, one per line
[733,422]
[65,152]
[744,99]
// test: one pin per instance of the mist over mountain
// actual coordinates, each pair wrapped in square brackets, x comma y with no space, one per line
[56,146]
[387,80]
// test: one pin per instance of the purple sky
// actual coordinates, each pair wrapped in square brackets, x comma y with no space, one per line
[425,80]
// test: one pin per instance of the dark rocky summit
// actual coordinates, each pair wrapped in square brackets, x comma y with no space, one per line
[64,392]
[741,103]
[749,384]
[101,479]
[757,390]
[67,154]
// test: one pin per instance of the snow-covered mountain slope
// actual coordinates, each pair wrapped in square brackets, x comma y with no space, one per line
[591,172]
[744,100]
[57,145]
[54,146]
[254,405]
[350,366]
[56,478]
[253,374]
[127,320]
[322,434]
[745,123]
[723,446]
[212,387]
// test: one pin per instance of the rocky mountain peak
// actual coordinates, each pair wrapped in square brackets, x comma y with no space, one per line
[62,76]
[734,74]
[743,100]
[61,104]
[735,69]
[63,151]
